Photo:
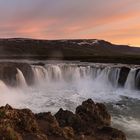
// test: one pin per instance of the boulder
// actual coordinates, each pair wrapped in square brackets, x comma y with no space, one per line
[50,126]
[67,118]
[109,133]
[19,124]
[91,121]
[95,114]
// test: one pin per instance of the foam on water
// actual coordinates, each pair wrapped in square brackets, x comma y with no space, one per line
[130,126]
[66,86]
[57,82]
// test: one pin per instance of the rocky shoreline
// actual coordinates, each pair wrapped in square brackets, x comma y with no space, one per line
[91,121]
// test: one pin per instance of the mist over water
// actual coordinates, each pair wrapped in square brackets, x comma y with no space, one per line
[66,85]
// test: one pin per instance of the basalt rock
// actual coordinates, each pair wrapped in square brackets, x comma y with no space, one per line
[137,76]
[50,126]
[8,73]
[67,118]
[88,117]
[91,121]
[109,133]
[92,113]
[123,76]
[27,72]
[18,124]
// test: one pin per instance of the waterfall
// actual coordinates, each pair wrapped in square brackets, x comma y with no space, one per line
[39,73]
[66,85]
[73,73]
[54,73]
[114,76]
[2,86]
[20,79]
[138,79]
[130,82]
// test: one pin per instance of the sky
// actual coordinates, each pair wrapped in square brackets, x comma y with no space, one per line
[117,21]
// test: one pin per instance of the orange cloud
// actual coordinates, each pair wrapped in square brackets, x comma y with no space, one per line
[116,21]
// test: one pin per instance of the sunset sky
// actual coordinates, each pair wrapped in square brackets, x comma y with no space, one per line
[117,21]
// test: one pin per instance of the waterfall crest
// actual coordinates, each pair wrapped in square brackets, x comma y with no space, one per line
[108,75]
[70,73]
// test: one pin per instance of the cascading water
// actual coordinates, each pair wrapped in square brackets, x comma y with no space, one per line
[130,82]
[66,85]
[20,79]
[39,74]
[76,73]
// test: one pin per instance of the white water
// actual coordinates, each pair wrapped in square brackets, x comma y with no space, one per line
[20,79]
[71,82]
[130,82]
[67,85]
[130,125]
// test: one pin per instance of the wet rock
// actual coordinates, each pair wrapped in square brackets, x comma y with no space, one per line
[27,72]
[90,122]
[67,118]
[89,116]
[123,76]
[93,113]
[8,133]
[8,73]
[19,124]
[68,133]
[109,133]
[39,64]
[137,76]
[50,126]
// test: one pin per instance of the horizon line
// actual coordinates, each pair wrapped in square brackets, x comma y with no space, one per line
[57,39]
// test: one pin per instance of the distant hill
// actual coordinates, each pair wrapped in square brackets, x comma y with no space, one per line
[82,49]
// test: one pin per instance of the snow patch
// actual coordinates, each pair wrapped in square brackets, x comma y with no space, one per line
[89,43]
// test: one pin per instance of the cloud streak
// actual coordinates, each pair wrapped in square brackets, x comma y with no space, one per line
[117,21]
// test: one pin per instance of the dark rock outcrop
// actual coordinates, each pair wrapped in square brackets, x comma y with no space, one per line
[123,76]
[27,72]
[90,122]
[67,118]
[50,126]
[8,73]
[97,112]
[18,124]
